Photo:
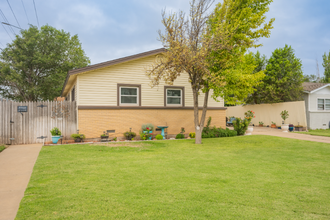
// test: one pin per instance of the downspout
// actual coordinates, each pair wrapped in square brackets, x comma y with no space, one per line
[77,101]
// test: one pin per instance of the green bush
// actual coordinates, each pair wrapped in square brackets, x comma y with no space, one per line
[55,132]
[159,137]
[179,136]
[75,136]
[129,135]
[218,132]
[241,125]
[192,135]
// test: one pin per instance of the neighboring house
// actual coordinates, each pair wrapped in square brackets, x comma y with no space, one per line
[317,103]
[116,95]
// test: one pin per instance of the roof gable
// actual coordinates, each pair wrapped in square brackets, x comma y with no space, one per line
[313,87]
[74,72]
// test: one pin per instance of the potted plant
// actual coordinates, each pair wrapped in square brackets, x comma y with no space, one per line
[284,115]
[273,125]
[129,135]
[249,115]
[291,127]
[104,136]
[56,135]
[261,124]
[147,128]
[78,137]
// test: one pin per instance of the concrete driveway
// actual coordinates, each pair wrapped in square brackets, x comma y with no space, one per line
[16,164]
[294,135]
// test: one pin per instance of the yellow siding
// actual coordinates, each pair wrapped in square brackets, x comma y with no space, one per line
[99,87]
[92,123]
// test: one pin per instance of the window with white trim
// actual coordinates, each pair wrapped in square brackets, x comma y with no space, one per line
[129,95]
[323,104]
[174,97]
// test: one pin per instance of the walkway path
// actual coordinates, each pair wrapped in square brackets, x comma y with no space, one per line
[16,164]
[294,135]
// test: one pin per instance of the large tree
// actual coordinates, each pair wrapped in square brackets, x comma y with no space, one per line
[326,65]
[34,66]
[261,62]
[284,77]
[210,48]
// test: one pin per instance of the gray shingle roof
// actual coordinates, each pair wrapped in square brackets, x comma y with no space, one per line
[309,87]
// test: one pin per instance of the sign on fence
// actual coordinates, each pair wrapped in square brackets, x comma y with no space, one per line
[37,121]
[22,108]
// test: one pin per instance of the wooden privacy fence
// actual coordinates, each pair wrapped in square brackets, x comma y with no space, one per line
[35,121]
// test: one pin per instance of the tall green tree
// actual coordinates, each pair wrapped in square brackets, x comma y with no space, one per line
[34,66]
[326,65]
[261,62]
[211,49]
[284,77]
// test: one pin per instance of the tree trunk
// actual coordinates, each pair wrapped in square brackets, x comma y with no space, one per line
[199,124]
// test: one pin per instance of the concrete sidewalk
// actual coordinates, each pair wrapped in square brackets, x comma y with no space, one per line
[294,135]
[16,164]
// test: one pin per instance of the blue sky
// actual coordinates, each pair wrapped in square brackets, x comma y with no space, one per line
[114,29]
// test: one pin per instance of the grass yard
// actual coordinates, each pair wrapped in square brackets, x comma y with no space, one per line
[250,177]
[318,132]
[2,148]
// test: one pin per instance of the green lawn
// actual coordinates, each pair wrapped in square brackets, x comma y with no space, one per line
[250,177]
[2,148]
[318,132]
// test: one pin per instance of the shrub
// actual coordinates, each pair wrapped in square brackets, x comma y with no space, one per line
[129,135]
[145,126]
[179,136]
[55,132]
[159,137]
[241,125]
[75,136]
[115,139]
[192,135]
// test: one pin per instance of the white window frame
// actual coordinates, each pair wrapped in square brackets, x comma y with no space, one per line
[137,96]
[324,104]
[181,92]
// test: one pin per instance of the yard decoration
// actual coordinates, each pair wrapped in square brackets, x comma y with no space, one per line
[56,135]
[211,50]
[249,115]
[284,115]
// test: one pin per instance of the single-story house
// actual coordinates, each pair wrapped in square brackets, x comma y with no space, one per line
[317,103]
[116,95]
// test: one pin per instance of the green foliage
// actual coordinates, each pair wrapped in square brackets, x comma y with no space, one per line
[284,78]
[232,70]
[145,136]
[311,78]
[2,148]
[159,137]
[104,135]
[115,139]
[55,132]
[240,126]
[192,134]
[284,114]
[34,66]
[261,123]
[218,132]
[75,136]
[260,62]
[129,135]
[179,136]
[149,125]
[326,65]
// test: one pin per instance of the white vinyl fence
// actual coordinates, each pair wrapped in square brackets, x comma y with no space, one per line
[27,122]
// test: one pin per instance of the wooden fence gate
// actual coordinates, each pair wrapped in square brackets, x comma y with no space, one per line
[32,120]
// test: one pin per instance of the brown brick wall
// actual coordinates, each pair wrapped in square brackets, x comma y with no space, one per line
[92,123]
